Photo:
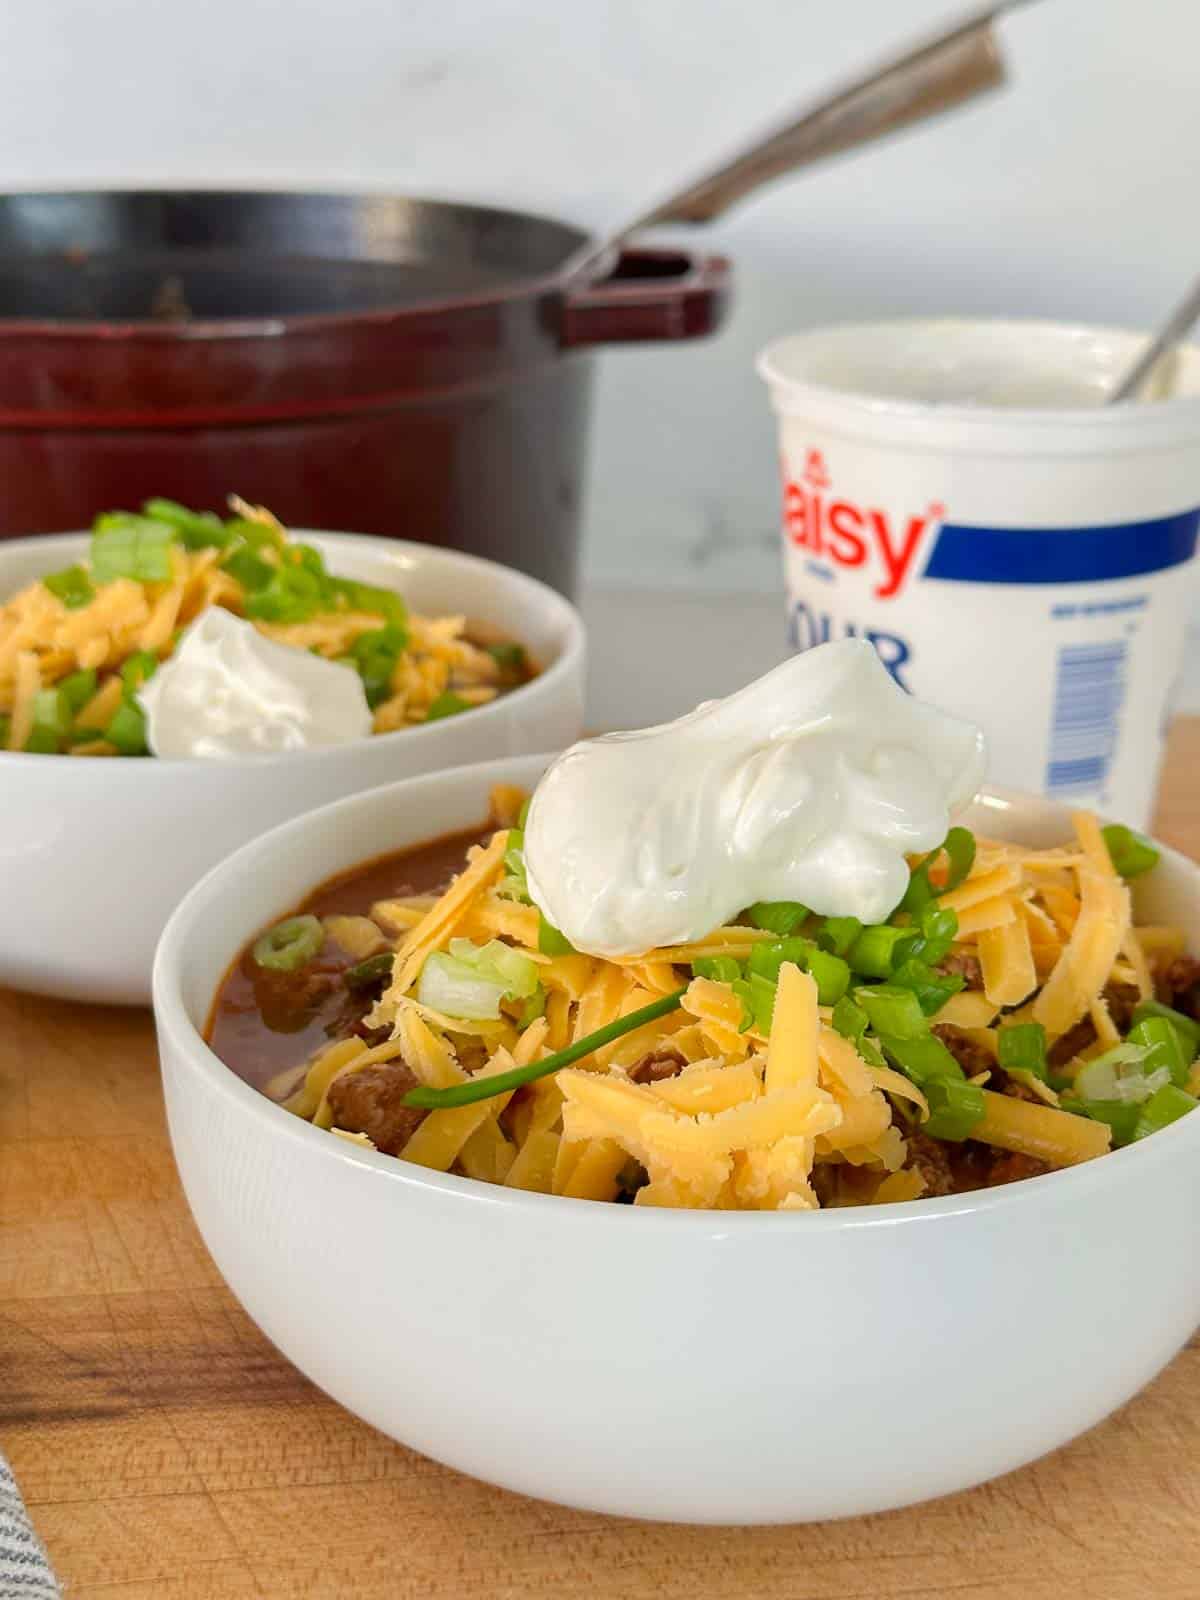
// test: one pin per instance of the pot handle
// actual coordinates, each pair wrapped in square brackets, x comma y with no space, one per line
[649,294]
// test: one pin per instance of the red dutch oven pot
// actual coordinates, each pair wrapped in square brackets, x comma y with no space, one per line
[379,364]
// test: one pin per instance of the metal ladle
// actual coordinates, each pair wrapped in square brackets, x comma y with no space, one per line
[930,79]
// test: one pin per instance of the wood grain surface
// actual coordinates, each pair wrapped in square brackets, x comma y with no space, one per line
[167,1452]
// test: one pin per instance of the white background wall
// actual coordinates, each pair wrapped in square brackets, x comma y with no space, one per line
[1072,194]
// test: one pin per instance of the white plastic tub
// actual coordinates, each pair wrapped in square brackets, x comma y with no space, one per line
[1018,553]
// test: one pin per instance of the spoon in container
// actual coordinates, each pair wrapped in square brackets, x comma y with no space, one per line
[1164,341]
[932,78]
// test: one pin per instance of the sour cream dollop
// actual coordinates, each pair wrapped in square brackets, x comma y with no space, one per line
[811,784]
[230,691]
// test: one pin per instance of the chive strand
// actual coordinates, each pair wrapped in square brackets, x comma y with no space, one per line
[423,1098]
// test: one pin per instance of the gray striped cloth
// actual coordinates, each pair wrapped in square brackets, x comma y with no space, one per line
[24,1570]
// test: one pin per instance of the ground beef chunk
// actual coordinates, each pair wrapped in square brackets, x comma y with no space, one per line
[1015,1089]
[1179,986]
[373,1036]
[929,1158]
[287,1000]
[368,1101]
[1121,1000]
[971,1057]
[1071,1043]
[632,1177]
[1008,1167]
[824,1183]
[656,1066]
[962,965]
[982,1166]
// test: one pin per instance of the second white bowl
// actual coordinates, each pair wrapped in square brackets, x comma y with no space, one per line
[96,854]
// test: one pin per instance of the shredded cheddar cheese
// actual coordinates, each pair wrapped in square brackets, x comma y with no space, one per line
[709,1107]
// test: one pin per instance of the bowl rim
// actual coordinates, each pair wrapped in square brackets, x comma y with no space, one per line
[569,663]
[271,1121]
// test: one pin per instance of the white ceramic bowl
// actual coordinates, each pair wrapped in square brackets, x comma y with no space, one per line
[95,855]
[691,1366]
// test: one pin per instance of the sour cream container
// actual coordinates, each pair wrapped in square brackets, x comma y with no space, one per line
[1019,554]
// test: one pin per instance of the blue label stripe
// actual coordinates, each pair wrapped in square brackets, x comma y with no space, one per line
[962,554]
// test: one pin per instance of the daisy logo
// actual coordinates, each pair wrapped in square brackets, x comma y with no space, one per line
[850,534]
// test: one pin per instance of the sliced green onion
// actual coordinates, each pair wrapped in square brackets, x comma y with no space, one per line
[1022,1048]
[925,1059]
[509,657]
[137,669]
[373,970]
[757,995]
[956,1108]
[1119,1074]
[515,885]
[741,988]
[1187,1026]
[125,546]
[959,845]
[930,940]
[374,655]
[127,730]
[390,640]
[837,934]
[919,893]
[459,990]
[42,741]
[550,941]
[523,816]
[850,1020]
[893,1011]
[776,916]
[766,957]
[499,962]
[199,530]
[293,593]
[447,704]
[1165,1105]
[465,1094]
[78,688]
[51,711]
[248,569]
[290,944]
[873,953]
[534,1007]
[1165,1047]
[932,989]
[721,969]
[1130,852]
[1122,1116]
[308,557]
[72,586]
[367,597]
[960,852]
[831,975]
[253,535]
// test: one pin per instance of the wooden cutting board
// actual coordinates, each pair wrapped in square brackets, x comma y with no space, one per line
[167,1452]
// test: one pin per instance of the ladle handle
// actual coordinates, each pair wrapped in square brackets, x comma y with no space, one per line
[930,80]
[933,78]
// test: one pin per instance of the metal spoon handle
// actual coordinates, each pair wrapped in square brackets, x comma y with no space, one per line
[1173,330]
[924,82]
